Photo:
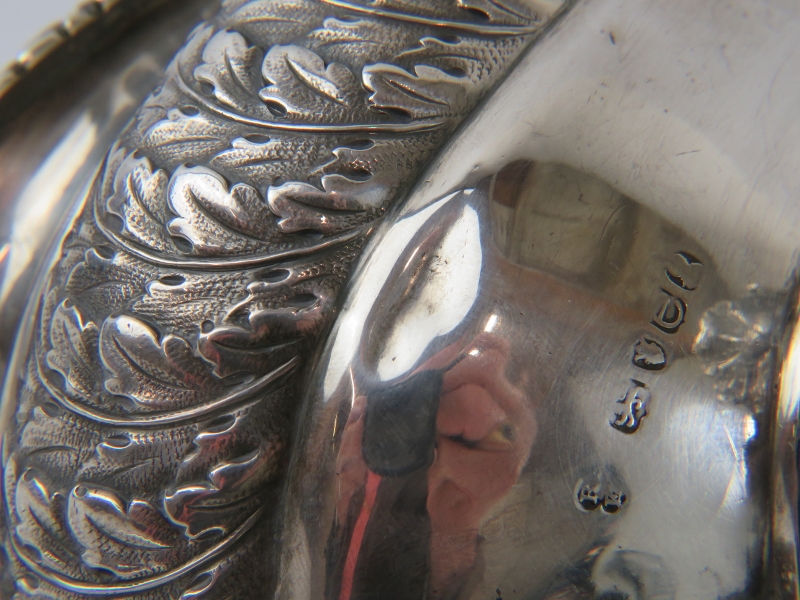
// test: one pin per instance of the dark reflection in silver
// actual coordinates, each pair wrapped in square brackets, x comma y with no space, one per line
[561,437]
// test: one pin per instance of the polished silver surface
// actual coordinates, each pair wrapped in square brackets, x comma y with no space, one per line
[403,299]
[562,368]
[543,387]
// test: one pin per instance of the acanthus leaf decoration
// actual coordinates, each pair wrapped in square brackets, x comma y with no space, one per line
[427,93]
[197,508]
[232,67]
[195,294]
[139,200]
[231,460]
[356,186]
[40,526]
[268,22]
[205,581]
[74,352]
[187,300]
[187,131]
[256,155]
[155,374]
[259,160]
[356,43]
[107,283]
[158,104]
[267,328]
[236,350]
[130,539]
[56,441]
[238,460]
[115,158]
[137,462]
[481,17]
[334,209]
[474,58]
[216,220]
[302,87]
[369,170]
[508,12]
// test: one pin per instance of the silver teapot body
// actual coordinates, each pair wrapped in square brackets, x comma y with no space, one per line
[407,300]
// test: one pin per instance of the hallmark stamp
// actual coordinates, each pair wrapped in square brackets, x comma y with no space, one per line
[685,271]
[649,354]
[671,315]
[591,496]
[634,408]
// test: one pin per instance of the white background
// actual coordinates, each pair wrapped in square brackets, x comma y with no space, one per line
[22,20]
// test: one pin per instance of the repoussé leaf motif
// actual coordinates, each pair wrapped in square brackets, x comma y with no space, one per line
[425,94]
[56,441]
[187,131]
[156,374]
[232,67]
[302,87]
[268,328]
[139,199]
[136,462]
[40,525]
[213,219]
[259,161]
[185,301]
[187,286]
[334,209]
[373,168]
[131,539]
[106,284]
[268,22]
[474,58]
[217,505]
[467,12]
[232,459]
[74,352]
[256,156]
[205,581]
[236,350]
[358,42]
[511,12]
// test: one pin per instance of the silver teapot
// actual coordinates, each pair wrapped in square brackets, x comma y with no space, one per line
[402,299]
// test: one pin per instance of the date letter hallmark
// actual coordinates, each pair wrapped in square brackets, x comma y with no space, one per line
[684,273]
[634,408]
[671,315]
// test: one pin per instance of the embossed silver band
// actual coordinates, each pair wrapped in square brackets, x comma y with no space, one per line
[191,288]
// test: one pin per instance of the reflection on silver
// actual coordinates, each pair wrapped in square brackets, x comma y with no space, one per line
[261,363]
[41,194]
[570,383]
[409,331]
[159,370]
